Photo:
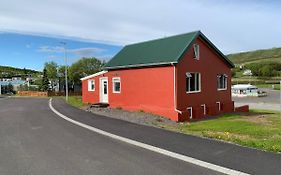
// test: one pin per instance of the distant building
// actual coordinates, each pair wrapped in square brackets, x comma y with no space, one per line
[247,72]
[14,83]
[246,90]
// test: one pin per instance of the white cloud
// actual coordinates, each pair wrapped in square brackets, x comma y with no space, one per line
[81,52]
[231,25]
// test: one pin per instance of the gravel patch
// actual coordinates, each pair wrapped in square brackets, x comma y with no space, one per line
[142,118]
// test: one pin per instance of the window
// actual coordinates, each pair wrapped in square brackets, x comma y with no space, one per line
[193,82]
[196,51]
[116,85]
[222,81]
[91,85]
[189,111]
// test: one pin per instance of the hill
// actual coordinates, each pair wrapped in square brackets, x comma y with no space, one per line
[7,71]
[273,55]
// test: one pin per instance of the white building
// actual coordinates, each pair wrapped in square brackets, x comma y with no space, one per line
[245,90]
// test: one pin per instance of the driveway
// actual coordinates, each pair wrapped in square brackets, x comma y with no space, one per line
[35,141]
[270,102]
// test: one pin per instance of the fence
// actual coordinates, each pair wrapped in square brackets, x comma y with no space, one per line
[46,94]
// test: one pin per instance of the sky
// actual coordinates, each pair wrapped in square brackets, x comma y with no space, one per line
[31,31]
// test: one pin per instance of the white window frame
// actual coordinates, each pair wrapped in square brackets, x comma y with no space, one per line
[218,82]
[196,51]
[199,83]
[90,83]
[116,79]
[191,112]
[219,105]
[204,109]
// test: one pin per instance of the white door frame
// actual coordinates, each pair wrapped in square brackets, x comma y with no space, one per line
[103,97]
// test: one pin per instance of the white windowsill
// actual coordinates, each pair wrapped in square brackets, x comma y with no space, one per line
[193,92]
[222,89]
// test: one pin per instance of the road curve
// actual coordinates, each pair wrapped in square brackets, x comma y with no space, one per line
[35,141]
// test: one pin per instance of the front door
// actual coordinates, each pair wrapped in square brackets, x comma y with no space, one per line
[104,90]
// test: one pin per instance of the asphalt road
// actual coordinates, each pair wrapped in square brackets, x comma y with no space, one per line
[273,97]
[270,102]
[33,140]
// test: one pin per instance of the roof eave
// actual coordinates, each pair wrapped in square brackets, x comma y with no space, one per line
[211,44]
[217,50]
[140,65]
[93,75]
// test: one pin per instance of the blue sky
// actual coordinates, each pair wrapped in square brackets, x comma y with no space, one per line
[28,51]
[31,30]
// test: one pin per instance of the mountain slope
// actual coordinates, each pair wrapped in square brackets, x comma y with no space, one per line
[273,54]
[6,71]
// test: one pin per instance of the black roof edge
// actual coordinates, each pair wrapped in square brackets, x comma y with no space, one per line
[211,44]
[217,50]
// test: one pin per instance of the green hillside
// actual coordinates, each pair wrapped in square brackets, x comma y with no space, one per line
[7,71]
[272,55]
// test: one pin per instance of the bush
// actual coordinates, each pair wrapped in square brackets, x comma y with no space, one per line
[265,69]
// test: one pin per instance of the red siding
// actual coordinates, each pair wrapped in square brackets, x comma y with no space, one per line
[147,89]
[209,65]
[90,96]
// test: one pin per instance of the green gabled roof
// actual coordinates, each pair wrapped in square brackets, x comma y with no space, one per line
[168,50]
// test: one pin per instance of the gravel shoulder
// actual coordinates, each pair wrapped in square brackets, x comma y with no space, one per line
[142,118]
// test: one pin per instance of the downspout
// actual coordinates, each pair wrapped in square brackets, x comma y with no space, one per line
[175,92]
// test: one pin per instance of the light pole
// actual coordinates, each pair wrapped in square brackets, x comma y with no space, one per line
[65,59]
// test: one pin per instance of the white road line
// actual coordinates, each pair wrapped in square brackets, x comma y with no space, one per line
[152,148]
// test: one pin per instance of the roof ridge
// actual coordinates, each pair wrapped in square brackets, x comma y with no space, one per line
[198,33]
[157,39]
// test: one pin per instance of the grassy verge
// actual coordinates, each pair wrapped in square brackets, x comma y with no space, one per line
[272,86]
[75,101]
[258,129]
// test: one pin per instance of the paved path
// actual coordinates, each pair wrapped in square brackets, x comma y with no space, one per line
[34,140]
[227,155]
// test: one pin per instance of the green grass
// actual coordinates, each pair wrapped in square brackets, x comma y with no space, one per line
[75,101]
[258,129]
[276,86]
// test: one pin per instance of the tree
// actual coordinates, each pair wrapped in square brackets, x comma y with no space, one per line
[10,88]
[84,67]
[51,72]
[45,81]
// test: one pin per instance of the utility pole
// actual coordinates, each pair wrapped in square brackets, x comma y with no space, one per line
[66,81]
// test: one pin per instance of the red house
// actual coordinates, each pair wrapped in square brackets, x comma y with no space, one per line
[180,77]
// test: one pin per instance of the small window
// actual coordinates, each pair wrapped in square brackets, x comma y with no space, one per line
[116,85]
[196,51]
[222,81]
[91,85]
[193,82]
[189,111]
